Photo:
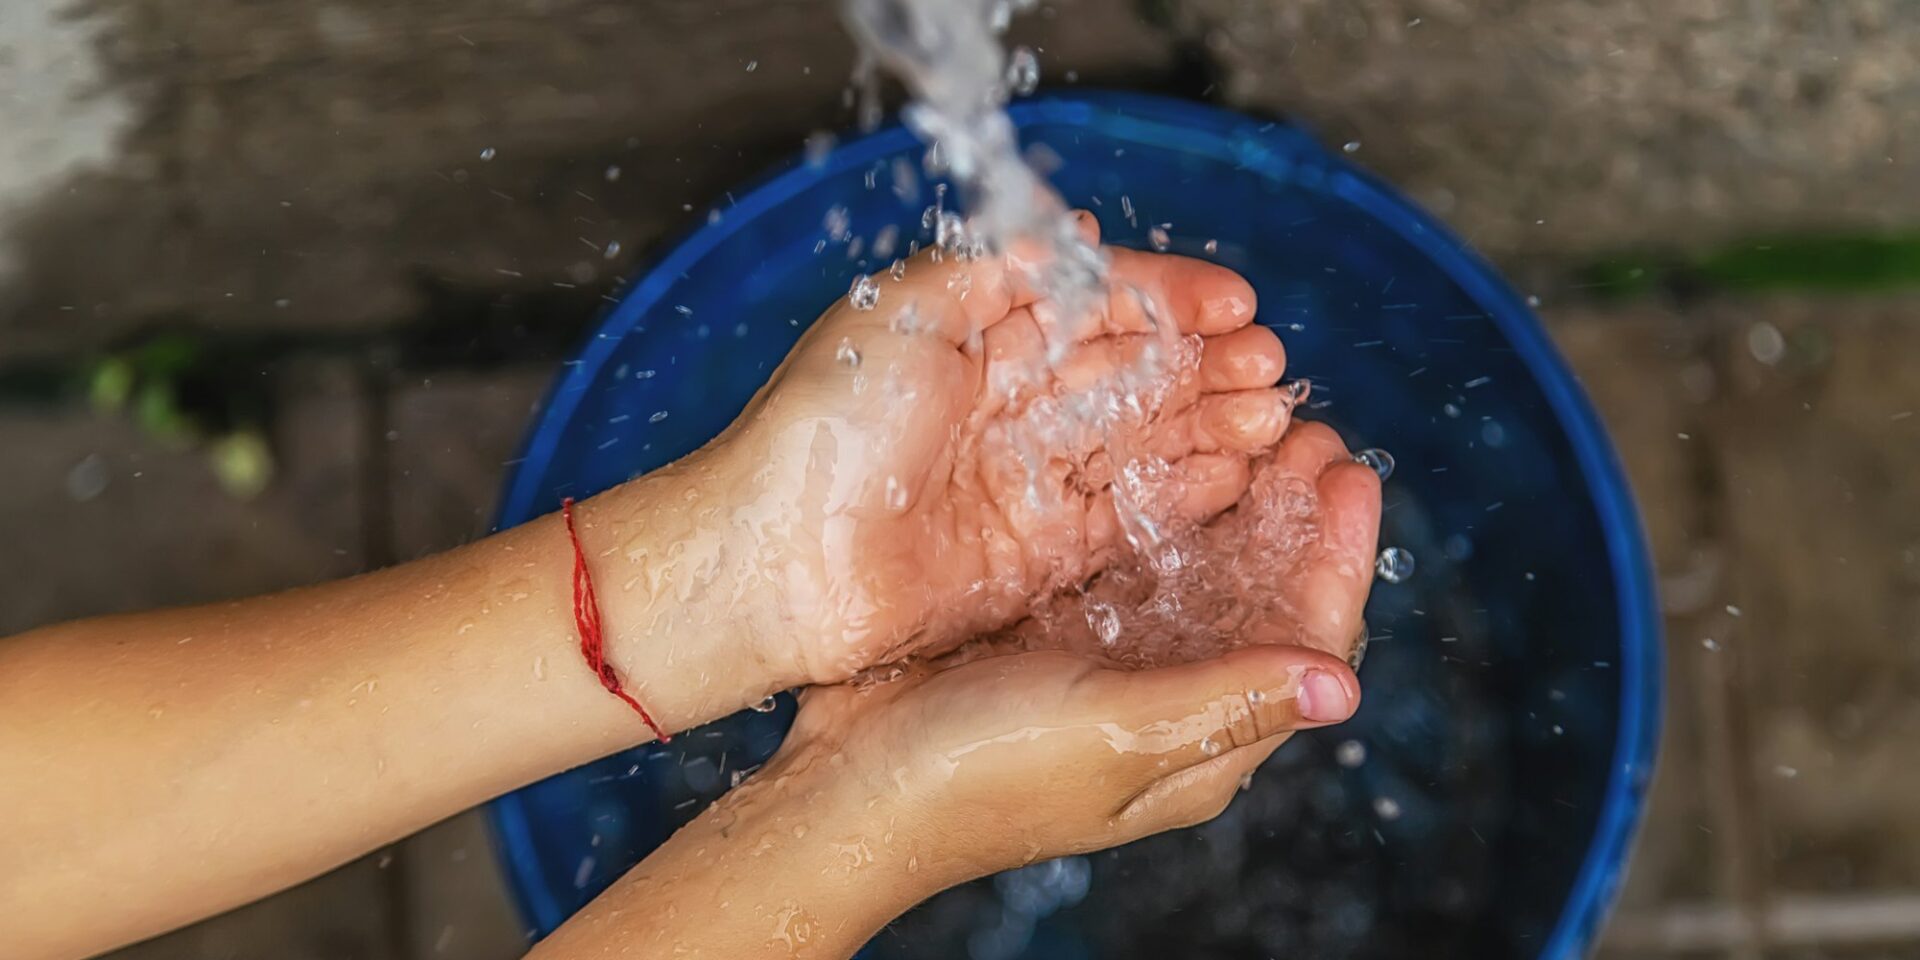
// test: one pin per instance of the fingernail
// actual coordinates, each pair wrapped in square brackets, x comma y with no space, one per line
[1323,698]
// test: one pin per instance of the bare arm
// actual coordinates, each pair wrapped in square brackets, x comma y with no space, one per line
[809,859]
[177,763]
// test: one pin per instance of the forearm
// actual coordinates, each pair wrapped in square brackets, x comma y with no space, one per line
[789,865]
[178,763]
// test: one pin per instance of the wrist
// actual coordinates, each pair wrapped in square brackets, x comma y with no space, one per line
[685,627]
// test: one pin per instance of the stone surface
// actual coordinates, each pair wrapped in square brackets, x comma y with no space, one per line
[104,518]
[456,902]
[1643,370]
[344,165]
[1818,452]
[453,438]
[1558,128]
[347,913]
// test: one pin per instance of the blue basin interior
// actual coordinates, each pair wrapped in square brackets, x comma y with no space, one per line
[1513,684]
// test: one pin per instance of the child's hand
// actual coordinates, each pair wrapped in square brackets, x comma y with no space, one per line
[904,482]
[1005,760]
[1291,563]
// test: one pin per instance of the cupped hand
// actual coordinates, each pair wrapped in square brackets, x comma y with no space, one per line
[920,471]
[997,761]
[1290,563]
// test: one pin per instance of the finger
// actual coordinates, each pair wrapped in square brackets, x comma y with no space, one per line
[1336,584]
[1248,421]
[1308,449]
[1032,278]
[947,296]
[1210,483]
[1245,359]
[1176,717]
[1198,793]
[1113,362]
[1199,297]
[1014,366]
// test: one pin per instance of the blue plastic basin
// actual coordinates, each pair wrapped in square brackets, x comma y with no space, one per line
[1513,685]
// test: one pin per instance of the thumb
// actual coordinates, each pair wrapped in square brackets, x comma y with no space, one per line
[1186,715]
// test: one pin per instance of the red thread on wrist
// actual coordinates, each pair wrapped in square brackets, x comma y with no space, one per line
[586,616]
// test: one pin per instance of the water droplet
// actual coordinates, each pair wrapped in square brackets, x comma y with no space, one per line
[896,494]
[540,668]
[1105,621]
[765,706]
[1158,238]
[613,173]
[613,249]
[1785,772]
[847,354]
[753,65]
[486,154]
[1733,610]
[1451,409]
[1533,300]
[1712,645]
[88,478]
[657,416]
[898,271]
[838,223]
[864,293]
[1350,753]
[1766,344]
[1394,565]
[1213,246]
[1000,16]
[1298,391]
[1379,460]
[950,232]
[1351,146]
[1023,72]
[1386,808]
[1246,781]
[1209,747]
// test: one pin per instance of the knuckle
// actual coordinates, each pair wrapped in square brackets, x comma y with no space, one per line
[1242,720]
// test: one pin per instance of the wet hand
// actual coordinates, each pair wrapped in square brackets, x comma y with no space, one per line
[1290,563]
[916,473]
[999,761]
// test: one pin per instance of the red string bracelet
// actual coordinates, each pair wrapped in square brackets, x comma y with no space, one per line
[586,616]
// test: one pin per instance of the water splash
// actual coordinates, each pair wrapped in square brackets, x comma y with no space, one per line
[1023,72]
[1394,565]
[864,294]
[948,55]
[1380,461]
[1180,591]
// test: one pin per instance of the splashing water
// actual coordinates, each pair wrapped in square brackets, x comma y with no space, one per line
[1023,72]
[1380,461]
[864,294]
[1394,565]
[1180,592]
[948,55]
